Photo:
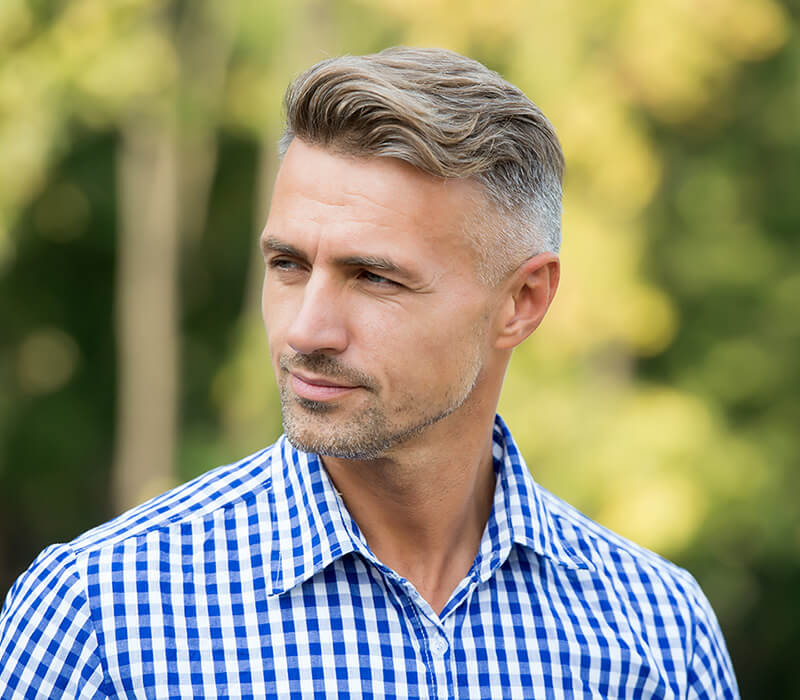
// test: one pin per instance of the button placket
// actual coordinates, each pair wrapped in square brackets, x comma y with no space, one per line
[438,646]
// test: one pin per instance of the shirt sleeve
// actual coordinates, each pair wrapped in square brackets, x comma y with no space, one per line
[48,644]
[711,673]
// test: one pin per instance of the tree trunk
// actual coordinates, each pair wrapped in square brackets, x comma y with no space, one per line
[165,171]
[146,312]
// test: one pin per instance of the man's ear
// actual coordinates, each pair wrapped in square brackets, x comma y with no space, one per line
[529,292]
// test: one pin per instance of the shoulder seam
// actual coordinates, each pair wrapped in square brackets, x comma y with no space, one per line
[168,520]
[107,683]
[597,532]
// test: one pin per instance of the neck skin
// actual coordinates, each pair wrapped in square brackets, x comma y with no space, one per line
[423,507]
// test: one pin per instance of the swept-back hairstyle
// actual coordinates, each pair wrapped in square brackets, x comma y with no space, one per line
[451,117]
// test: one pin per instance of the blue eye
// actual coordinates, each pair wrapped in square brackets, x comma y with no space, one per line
[283,264]
[372,278]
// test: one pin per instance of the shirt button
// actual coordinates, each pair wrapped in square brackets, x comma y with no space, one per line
[439,646]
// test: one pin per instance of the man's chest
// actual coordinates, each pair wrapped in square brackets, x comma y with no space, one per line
[350,632]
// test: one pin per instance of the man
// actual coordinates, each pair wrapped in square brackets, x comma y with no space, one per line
[392,543]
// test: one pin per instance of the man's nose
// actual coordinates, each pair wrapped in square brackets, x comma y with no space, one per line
[319,325]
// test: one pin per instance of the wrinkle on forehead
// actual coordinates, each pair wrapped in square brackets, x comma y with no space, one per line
[356,206]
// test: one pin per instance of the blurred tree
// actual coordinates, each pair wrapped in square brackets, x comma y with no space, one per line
[166,164]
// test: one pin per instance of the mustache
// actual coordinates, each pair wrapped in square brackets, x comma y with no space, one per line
[328,367]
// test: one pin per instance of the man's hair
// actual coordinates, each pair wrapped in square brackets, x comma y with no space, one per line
[450,117]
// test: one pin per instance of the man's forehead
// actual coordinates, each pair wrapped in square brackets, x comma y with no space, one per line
[375,199]
[380,181]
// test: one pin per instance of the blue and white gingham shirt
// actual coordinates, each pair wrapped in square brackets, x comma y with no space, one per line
[253,581]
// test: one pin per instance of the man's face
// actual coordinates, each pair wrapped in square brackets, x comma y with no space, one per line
[377,324]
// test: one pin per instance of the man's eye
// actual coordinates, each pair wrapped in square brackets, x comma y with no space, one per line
[283,264]
[372,278]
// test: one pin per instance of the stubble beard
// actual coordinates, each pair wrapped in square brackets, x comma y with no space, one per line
[367,433]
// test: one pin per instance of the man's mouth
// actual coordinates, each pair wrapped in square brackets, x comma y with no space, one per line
[312,388]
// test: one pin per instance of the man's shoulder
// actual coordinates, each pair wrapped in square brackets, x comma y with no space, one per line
[613,556]
[649,602]
[203,497]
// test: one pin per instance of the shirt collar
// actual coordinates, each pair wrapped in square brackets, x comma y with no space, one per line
[520,514]
[311,526]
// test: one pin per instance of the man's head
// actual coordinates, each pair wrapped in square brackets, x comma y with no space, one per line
[450,117]
[380,319]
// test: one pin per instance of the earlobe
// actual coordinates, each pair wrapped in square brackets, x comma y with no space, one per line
[529,294]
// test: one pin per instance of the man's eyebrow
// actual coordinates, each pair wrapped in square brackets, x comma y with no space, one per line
[270,243]
[372,261]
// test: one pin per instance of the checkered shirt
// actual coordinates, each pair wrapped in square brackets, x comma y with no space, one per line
[253,581]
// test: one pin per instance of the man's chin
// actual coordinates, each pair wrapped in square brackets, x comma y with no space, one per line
[338,449]
[326,435]
[359,437]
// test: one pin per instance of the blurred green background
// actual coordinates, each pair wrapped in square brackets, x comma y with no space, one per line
[137,150]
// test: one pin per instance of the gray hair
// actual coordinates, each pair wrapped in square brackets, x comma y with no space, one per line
[450,117]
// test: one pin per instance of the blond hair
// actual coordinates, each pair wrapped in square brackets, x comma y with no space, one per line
[451,117]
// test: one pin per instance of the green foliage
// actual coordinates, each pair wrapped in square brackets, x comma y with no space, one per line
[724,242]
[660,394]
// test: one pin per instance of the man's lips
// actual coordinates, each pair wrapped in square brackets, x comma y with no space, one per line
[318,388]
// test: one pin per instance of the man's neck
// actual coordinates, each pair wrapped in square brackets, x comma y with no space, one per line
[423,509]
